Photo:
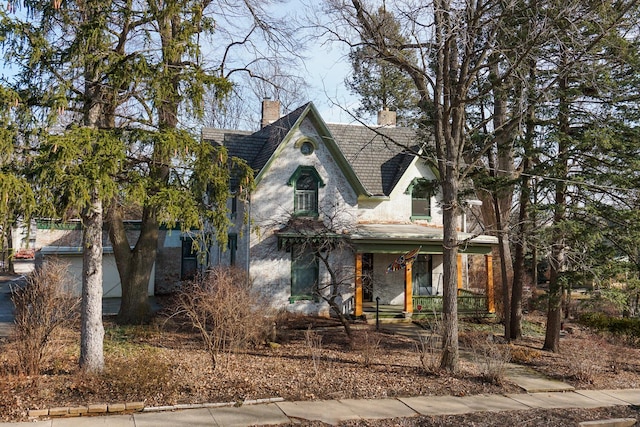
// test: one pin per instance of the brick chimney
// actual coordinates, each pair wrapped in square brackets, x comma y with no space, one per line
[386,118]
[270,111]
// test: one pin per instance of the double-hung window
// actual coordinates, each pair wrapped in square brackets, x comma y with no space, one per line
[306,195]
[421,191]
[304,272]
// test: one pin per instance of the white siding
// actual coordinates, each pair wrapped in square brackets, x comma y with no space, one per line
[390,286]
[397,209]
[272,205]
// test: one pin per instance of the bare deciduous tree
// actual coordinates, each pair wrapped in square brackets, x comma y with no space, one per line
[327,240]
[471,80]
[453,43]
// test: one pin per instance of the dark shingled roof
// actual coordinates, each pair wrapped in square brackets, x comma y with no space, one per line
[257,147]
[377,155]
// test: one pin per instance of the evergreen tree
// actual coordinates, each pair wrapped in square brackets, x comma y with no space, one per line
[175,80]
[136,69]
[580,109]
[75,171]
[17,200]
[381,85]
[65,55]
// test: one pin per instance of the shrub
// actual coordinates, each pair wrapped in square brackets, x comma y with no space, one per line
[489,355]
[429,347]
[624,327]
[140,372]
[226,311]
[368,343]
[603,301]
[428,350]
[313,341]
[525,355]
[581,369]
[42,306]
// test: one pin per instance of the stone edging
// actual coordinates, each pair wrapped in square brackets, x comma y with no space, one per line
[94,409]
[115,408]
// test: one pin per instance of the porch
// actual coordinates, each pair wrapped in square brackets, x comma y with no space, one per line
[416,288]
[470,303]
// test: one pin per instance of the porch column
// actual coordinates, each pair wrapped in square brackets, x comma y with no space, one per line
[357,309]
[460,282]
[491,301]
[408,289]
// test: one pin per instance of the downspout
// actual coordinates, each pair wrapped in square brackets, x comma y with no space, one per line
[248,234]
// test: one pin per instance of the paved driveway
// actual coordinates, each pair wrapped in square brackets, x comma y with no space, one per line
[110,307]
[6,309]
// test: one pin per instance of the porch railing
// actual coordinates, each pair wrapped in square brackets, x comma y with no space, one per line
[468,302]
[348,306]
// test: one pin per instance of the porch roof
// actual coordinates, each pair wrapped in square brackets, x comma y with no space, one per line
[401,238]
[302,230]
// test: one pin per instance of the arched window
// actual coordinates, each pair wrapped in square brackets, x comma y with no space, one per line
[306,181]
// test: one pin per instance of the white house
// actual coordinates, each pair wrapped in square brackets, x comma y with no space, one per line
[366,184]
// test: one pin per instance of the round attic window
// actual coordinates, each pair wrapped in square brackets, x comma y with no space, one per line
[306,148]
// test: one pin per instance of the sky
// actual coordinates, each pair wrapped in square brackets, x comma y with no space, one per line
[328,70]
[327,67]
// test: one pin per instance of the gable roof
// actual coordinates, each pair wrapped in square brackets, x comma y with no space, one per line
[256,148]
[372,158]
[379,155]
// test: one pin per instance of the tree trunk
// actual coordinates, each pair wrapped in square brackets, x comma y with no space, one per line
[134,265]
[557,263]
[501,164]
[95,100]
[92,332]
[523,214]
[496,206]
[449,93]
[520,252]
[554,312]
[135,308]
[10,250]
[558,250]
[505,261]
[518,267]
[450,356]
[344,321]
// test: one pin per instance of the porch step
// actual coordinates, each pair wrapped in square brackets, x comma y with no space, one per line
[386,316]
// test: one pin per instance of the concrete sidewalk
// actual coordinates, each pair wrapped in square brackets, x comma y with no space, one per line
[335,411]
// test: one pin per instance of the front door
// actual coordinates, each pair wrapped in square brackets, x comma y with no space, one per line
[367,277]
[421,271]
